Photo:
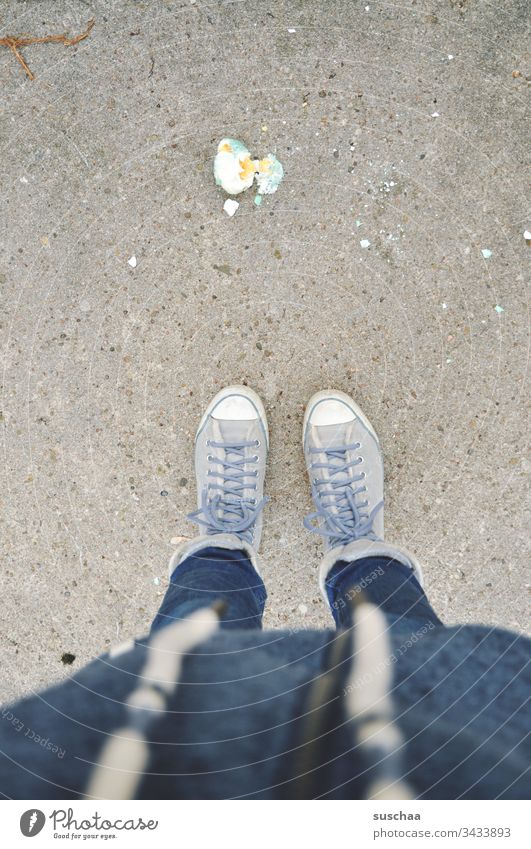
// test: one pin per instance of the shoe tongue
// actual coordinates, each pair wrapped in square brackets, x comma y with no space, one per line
[331,436]
[233,431]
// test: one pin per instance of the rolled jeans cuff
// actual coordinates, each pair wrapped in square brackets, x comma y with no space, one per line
[194,546]
[360,549]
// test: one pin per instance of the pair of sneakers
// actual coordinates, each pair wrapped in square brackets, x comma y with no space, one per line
[344,464]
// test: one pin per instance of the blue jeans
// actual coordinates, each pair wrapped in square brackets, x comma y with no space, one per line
[214,574]
[210,575]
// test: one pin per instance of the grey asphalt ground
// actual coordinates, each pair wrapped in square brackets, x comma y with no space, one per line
[403,124]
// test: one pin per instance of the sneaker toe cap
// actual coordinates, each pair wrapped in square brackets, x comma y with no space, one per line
[331,412]
[235,408]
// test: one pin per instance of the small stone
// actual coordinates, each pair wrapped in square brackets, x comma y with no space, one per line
[132,261]
[230,206]
[178,540]
[486,253]
[224,269]
[364,243]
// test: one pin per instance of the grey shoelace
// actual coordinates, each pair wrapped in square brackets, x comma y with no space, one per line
[341,519]
[224,509]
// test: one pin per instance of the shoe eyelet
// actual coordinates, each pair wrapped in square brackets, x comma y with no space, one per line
[363,475]
[210,458]
[257,443]
[207,443]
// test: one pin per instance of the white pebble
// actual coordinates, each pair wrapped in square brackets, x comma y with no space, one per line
[364,243]
[178,540]
[527,235]
[303,609]
[230,206]
[435,115]
[132,261]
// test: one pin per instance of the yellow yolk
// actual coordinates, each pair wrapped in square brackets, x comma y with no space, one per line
[247,168]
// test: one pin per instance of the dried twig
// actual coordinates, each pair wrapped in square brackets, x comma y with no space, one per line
[13,42]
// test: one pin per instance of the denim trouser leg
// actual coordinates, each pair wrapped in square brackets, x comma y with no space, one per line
[389,584]
[214,574]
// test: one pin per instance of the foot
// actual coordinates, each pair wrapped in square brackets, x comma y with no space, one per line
[345,467]
[230,458]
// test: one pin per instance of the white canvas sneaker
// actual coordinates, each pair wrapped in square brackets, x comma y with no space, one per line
[345,466]
[230,459]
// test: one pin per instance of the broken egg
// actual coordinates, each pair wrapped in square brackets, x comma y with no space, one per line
[269,175]
[233,167]
[235,170]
